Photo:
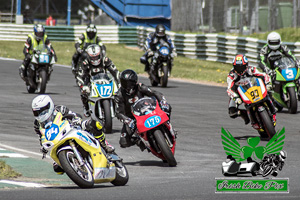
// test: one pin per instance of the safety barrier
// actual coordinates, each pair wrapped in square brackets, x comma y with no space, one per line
[108,34]
[212,47]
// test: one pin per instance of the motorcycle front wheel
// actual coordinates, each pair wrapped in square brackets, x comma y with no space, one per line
[165,149]
[267,123]
[164,78]
[43,81]
[81,175]
[292,103]
[107,116]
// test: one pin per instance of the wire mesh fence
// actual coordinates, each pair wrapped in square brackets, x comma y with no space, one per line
[239,16]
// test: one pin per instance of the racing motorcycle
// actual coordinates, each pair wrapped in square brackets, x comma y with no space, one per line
[154,130]
[39,70]
[257,102]
[285,85]
[80,155]
[162,65]
[101,99]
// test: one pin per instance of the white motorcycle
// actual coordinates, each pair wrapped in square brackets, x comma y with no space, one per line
[101,104]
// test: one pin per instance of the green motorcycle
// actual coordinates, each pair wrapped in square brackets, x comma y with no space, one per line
[285,84]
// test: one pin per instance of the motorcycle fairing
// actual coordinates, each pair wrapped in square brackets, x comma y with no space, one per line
[141,120]
[253,93]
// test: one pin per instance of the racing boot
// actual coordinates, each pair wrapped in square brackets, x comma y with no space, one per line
[152,74]
[58,169]
[244,115]
[106,146]
[22,72]
[86,110]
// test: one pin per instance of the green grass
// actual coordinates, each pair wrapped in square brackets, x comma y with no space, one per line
[7,172]
[124,58]
[287,34]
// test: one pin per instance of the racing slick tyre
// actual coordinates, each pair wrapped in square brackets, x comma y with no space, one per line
[164,78]
[43,81]
[165,149]
[292,103]
[107,116]
[267,123]
[121,174]
[81,175]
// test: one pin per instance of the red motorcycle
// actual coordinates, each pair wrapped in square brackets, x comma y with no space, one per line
[154,129]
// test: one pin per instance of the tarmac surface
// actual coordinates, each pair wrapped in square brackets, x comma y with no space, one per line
[199,112]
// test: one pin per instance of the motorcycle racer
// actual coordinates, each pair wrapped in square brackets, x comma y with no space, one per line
[34,39]
[268,52]
[129,93]
[94,63]
[152,40]
[87,38]
[45,111]
[242,69]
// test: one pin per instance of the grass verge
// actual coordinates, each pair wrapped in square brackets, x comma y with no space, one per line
[125,58]
[7,172]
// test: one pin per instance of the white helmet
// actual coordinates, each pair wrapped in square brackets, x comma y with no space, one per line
[274,40]
[42,107]
[94,54]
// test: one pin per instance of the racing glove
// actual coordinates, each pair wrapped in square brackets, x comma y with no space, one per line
[79,50]
[131,123]
[85,89]
[237,100]
[173,54]
[77,121]
[165,106]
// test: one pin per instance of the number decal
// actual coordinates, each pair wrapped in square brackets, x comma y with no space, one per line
[44,59]
[52,132]
[152,121]
[254,94]
[104,90]
[164,51]
[290,73]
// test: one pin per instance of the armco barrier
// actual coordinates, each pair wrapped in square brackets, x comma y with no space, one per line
[210,47]
[214,47]
[108,34]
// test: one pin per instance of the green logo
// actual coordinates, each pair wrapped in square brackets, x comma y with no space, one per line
[232,147]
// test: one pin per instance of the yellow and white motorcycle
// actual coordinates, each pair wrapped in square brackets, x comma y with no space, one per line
[80,155]
[101,104]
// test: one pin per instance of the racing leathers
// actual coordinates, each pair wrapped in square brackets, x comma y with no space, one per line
[82,43]
[150,47]
[29,45]
[235,99]
[90,126]
[124,101]
[89,70]
[269,56]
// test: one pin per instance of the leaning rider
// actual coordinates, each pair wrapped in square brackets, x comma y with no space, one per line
[34,39]
[87,38]
[242,69]
[129,93]
[45,111]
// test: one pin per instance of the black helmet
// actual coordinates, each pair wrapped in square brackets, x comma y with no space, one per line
[128,79]
[160,30]
[91,31]
[39,31]
[240,64]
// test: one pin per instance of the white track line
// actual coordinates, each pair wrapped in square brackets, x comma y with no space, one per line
[12,155]
[24,184]
[20,150]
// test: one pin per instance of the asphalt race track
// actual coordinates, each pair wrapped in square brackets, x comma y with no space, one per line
[199,112]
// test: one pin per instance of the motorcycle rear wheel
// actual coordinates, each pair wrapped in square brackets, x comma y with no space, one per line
[43,81]
[267,123]
[122,175]
[107,116]
[165,149]
[81,175]
[292,103]
[164,78]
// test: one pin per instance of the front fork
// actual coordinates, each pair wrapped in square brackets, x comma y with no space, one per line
[78,156]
